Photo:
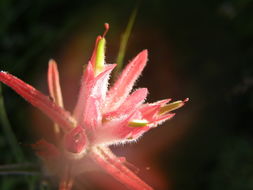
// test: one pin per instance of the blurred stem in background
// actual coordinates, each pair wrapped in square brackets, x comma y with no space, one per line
[8,132]
[123,43]
[16,169]
[19,169]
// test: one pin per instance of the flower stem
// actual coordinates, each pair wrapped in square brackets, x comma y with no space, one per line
[114,166]
[66,182]
[8,132]
[19,169]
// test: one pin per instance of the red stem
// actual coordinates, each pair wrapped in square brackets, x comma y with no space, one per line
[114,166]
[66,182]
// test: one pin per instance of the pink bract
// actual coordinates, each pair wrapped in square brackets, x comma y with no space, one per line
[101,118]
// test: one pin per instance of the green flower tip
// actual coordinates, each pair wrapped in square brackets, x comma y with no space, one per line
[172,106]
[100,54]
[138,123]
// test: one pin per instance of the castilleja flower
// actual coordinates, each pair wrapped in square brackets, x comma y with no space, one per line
[101,118]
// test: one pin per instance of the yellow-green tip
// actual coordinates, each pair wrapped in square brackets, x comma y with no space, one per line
[172,106]
[100,54]
[138,123]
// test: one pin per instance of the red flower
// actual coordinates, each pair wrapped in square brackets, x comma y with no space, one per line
[101,117]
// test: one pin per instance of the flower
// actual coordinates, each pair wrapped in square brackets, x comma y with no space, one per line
[101,117]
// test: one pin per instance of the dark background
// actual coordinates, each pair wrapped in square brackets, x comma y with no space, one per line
[197,49]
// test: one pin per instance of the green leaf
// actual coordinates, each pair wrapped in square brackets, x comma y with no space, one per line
[124,42]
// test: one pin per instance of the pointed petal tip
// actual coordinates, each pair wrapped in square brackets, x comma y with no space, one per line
[4,75]
[161,119]
[52,66]
[144,53]
[126,80]
[186,100]
[54,82]
[145,90]
[143,56]
[167,116]
[142,90]
[112,65]
[52,62]
[108,68]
